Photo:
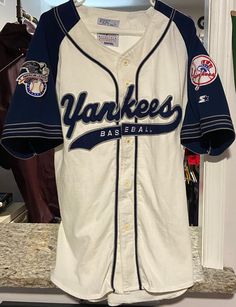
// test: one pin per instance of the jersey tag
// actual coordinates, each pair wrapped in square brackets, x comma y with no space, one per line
[108,22]
[108,39]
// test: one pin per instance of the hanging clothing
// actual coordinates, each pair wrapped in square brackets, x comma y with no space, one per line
[14,40]
[35,177]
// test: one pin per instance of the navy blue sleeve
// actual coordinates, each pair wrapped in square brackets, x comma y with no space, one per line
[33,123]
[207,126]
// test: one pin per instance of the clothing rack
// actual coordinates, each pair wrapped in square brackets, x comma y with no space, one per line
[20,14]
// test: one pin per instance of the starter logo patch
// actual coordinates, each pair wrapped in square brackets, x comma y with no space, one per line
[203,99]
[34,77]
[203,71]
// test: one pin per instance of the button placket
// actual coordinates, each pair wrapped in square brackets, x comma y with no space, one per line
[126,208]
[126,62]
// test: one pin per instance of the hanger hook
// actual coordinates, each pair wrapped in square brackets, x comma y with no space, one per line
[153,2]
[79,3]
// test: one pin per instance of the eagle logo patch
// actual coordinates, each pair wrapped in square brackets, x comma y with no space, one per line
[203,71]
[34,77]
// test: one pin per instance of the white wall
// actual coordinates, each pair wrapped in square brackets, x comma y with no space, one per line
[230,216]
[8,11]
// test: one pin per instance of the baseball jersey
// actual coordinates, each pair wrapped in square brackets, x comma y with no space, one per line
[119,95]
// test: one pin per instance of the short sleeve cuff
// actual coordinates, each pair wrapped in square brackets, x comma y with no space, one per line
[212,135]
[26,140]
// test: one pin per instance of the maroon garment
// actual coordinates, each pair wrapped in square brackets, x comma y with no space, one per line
[35,177]
[14,40]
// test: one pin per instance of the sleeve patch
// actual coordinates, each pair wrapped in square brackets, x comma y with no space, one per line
[202,71]
[34,77]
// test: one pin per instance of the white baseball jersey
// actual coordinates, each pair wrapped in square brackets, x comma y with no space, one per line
[119,95]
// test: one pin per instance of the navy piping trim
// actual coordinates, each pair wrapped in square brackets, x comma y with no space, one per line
[31,128]
[205,126]
[190,136]
[190,125]
[83,52]
[221,124]
[74,9]
[205,120]
[218,121]
[191,129]
[215,116]
[136,145]
[118,142]
[191,133]
[31,124]
[33,136]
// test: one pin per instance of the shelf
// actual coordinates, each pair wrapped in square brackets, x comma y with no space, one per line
[27,255]
[14,212]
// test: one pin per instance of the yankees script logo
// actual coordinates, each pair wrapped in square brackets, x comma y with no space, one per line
[202,71]
[89,113]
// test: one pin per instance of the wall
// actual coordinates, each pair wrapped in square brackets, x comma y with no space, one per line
[8,11]
[230,214]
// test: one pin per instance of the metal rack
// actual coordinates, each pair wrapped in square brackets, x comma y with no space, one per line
[20,14]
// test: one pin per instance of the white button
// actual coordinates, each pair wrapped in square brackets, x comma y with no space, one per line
[127,83]
[126,62]
[127,184]
[127,227]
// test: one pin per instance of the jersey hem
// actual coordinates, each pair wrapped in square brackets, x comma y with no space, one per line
[140,298]
[171,289]
[104,296]
[97,297]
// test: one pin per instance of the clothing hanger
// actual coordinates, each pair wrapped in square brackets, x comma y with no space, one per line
[29,17]
[79,3]
[153,2]
[22,14]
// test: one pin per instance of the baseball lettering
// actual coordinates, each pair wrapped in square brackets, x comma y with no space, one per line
[127,130]
[108,133]
[76,111]
[80,110]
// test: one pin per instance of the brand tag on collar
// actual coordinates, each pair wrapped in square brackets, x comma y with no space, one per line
[108,39]
[108,22]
